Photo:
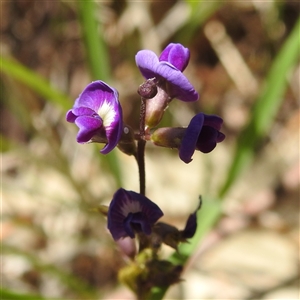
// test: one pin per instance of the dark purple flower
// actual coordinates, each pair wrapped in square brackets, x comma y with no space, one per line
[98,114]
[130,212]
[168,67]
[202,134]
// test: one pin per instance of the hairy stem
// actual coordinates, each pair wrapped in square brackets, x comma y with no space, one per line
[141,149]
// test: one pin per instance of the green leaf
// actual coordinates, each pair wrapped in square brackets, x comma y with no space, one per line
[266,107]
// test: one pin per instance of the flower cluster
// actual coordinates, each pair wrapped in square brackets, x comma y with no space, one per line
[98,114]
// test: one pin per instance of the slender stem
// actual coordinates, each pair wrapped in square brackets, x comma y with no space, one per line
[141,164]
[142,118]
[141,149]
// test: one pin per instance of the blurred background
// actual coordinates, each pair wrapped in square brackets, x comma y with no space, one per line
[244,64]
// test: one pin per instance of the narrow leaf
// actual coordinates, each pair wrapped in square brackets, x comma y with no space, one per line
[96,50]
[266,107]
[37,83]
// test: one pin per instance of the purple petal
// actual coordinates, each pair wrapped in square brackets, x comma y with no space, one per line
[207,140]
[129,209]
[169,66]
[70,117]
[74,113]
[147,61]
[149,208]
[210,135]
[127,223]
[116,216]
[83,111]
[95,94]
[220,137]
[179,86]
[177,55]
[88,126]
[115,128]
[213,121]
[137,221]
[189,140]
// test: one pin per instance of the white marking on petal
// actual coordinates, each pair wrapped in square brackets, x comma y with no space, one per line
[130,207]
[107,113]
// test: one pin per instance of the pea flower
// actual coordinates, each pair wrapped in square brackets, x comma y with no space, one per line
[169,67]
[166,73]
[201,134]
[98,114]
[130,213]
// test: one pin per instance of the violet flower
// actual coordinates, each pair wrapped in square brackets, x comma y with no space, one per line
[98,114]
[168,67]
[130,213]
[201,134]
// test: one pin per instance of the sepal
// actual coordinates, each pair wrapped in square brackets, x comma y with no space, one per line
[127,143]
[191,224]
[169,137]
[147,271]
[155,107]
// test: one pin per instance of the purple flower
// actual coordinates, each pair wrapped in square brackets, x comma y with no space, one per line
[98,114]
[131,213]
[202,134]
[168,67]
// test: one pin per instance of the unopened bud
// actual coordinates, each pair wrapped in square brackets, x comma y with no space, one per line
[148,89]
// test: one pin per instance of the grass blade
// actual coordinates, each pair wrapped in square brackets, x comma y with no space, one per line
[37,83]
[265,108]
[96,49]
[98,61]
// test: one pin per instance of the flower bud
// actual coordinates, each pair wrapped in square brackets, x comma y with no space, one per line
[202,134]
[155,107]
[148,89]
[165,233]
